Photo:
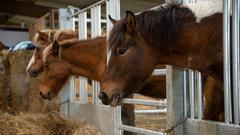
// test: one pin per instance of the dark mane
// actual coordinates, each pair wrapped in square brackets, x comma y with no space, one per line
[156,26]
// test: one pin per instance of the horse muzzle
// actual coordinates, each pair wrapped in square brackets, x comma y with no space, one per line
[116,99]
[46,96]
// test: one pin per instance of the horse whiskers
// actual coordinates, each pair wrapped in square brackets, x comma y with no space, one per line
[44,107]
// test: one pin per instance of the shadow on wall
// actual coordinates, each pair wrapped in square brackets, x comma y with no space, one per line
[18,92]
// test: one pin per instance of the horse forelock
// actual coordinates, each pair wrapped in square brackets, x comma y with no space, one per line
[41,40]
[116,34]
[32,60]
[46,52]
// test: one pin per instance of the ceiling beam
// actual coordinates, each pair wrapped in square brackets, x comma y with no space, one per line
[23,8]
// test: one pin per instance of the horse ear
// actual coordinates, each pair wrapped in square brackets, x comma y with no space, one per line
[55,47]
[41,34]
[112,20]
[130,21]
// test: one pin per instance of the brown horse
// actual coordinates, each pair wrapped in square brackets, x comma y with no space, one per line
[86,58]
[173,34]
[169,35]
[41,40]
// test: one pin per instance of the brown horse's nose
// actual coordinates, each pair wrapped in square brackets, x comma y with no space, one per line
[104,98]
[47,96]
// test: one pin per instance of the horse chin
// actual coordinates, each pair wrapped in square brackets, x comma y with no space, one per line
[116,100]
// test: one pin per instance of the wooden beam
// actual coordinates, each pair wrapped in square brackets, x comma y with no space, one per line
[23,8]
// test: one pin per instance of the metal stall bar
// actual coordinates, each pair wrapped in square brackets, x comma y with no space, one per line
[175,99]
[82,34]
[144,102]
[96,89]
[192,93]
[185,94]
[72,88]
[83,90]
[227,62]
[235,57]
[118,121]
[65,94]
[96,31]
[112,9]
[82,25]
[140,130]
[199,100]
[87,8]
[159,72]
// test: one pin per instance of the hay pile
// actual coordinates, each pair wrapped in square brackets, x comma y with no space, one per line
[18,92]
[42,124]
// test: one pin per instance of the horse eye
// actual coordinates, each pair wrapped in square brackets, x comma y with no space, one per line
[121,51]
[46,66]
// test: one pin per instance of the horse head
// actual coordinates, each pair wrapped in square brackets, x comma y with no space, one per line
[55,72]
[128,50]
[41,40]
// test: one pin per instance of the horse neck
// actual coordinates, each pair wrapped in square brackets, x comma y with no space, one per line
[196,45]
[86,59]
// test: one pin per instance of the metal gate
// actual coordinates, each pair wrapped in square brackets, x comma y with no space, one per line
[184,88]
[183,101]
[105,118]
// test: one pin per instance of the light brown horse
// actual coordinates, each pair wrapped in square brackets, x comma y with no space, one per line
[173,34]
[41,40]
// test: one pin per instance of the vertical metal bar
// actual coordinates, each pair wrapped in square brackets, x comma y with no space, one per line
[64,24]
[117,120]
[96,90]
[113,9]
[98,21]
[82,20]
[199,95]
[192,93]
[175,106]
[73,24]
[72,89]
[185,93]
[52,19]
[95,31]
[227,63]
[83,90]
[92,10]
[235,57]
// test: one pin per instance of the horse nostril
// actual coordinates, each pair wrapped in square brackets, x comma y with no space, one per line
[103,96]
[40,93]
